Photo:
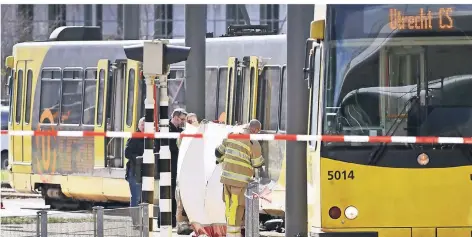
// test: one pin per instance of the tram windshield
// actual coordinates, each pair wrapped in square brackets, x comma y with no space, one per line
[398,70]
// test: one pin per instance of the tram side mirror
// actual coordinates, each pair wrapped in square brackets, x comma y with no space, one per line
[9,62]
[311,73]
[9,83]
[309,69]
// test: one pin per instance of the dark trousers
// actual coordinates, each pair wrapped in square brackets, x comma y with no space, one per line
[174,157]
[135,190]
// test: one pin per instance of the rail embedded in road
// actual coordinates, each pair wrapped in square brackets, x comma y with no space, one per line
[11,193]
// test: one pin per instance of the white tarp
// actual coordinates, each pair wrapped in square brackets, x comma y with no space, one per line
[192,184]
[200,187]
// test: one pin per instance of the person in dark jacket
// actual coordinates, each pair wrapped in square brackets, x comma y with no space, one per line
[176,124]
[134,148]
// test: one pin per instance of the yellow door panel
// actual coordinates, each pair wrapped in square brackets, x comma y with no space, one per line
[18,110]
[27,113]
[232,62]
[132,80]
[21,182]
[11,118]
[131,105]
[254,80]
[103,68]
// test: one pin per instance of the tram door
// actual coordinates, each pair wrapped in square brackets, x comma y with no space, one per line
[231,77]
[18,111]
[103,69]
[132,102]
[252,76]
[121,116]
[117,105]
[241,94]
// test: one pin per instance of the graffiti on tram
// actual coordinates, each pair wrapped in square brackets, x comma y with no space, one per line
[60,155]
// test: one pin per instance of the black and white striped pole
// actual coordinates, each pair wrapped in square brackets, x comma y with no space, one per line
[147,194]
[156,57]
[164,164]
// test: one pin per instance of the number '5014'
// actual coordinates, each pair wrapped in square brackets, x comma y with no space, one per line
[340,175]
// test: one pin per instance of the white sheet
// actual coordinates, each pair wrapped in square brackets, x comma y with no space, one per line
[200,187]
[214,205]
[192,184]
[189,129]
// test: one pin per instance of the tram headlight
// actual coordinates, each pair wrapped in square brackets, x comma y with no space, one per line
[351,212]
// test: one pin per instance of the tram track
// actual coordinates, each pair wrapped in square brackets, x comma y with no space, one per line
[11,193]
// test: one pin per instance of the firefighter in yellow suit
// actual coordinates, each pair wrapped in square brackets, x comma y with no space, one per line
[238,158]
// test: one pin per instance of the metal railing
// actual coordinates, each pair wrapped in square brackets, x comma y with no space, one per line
[251,213]
[101,222]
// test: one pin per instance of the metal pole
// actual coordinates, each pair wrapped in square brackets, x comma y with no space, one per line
[195,36]
[131,21]
[298,28]
[88,14]
[144,215]
[94,213]
[44,223]
[148,155]
[94,14]
[98,218]
[38,224]
[165,182]
[252,208]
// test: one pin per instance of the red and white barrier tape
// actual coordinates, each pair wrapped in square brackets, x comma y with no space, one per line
[259,137]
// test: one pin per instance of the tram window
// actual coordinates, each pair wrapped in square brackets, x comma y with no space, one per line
[221,96]
[130,103]
[245,83]
[19,96]
[29,82]
[176,89]
[176,74]
[252,77]
[89,96]
[269,91]
[50,93]
[100,97]
[71,100]
[283,113]
[240,99]
[176,92]
[211,85]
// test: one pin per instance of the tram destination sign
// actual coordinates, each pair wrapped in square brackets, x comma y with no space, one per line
[399,20]
[423,20]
